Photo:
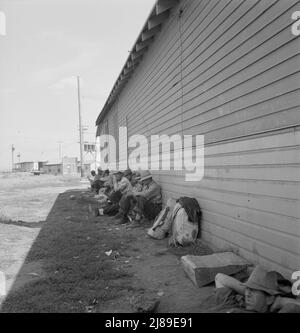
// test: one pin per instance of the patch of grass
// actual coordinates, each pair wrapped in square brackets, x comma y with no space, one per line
[77,271]
[159,253]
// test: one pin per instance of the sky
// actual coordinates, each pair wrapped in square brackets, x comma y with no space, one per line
[48,43]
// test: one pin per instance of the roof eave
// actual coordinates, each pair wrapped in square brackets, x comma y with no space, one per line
[158,15]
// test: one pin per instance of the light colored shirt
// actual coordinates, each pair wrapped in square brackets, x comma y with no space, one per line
[151,192]
[91,177]
[123,186]
[137,187]
[109,181]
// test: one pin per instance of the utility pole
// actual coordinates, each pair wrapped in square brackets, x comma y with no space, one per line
[12,157]
[60,142]
[19,157]
[80,128]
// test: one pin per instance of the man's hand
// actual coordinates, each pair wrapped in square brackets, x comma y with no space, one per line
[277,304]
[281,302]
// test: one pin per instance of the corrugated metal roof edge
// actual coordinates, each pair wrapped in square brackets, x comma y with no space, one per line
[157,16]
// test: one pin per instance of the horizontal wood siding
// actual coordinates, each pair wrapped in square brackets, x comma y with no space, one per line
[229,70]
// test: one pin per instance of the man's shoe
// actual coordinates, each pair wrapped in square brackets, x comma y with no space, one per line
[118,216]
[134,224]
[122,220]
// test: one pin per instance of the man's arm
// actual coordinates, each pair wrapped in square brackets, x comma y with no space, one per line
[115,184]
[147,193]
[119,186]
[282,302]
[122,184]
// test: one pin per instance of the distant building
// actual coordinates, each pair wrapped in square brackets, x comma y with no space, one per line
[53,168]
[28,166]
[67,166]
[89,157]
[88,166]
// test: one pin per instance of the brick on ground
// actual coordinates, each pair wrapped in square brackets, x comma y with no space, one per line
[203,269]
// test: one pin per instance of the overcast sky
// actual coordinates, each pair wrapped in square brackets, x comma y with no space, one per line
[47,44]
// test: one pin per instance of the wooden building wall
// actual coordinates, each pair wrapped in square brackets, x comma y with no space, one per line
[229,70]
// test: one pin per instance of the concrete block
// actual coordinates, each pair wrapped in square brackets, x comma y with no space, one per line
[203,269]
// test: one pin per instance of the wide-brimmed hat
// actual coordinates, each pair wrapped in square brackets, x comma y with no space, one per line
[136,175]
[260,279]
[116,172]
[127,172]
[145,175]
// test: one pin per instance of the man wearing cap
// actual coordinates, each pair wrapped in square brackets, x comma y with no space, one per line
[263,292]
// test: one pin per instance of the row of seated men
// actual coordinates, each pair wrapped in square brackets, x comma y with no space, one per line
[135,194]
[138,193]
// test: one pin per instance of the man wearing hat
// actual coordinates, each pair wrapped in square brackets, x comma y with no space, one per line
[121,184]
[97,181]
[121,181]
[119,188]
[92,178]
[263,292]
[147,201]
[136,182]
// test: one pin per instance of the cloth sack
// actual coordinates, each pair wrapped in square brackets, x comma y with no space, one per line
[184,232]
[163,221]
[192,208]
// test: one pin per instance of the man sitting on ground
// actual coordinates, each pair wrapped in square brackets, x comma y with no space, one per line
[121,182]
[98,183]
[126,203]
[136,182]
[147,202]
[105,175]
[92,178]
[120,185]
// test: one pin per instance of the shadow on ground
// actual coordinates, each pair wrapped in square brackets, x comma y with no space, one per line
[79,263]
[24,224]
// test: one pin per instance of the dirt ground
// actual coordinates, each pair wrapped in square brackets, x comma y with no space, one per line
[55,258]
[29,198]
